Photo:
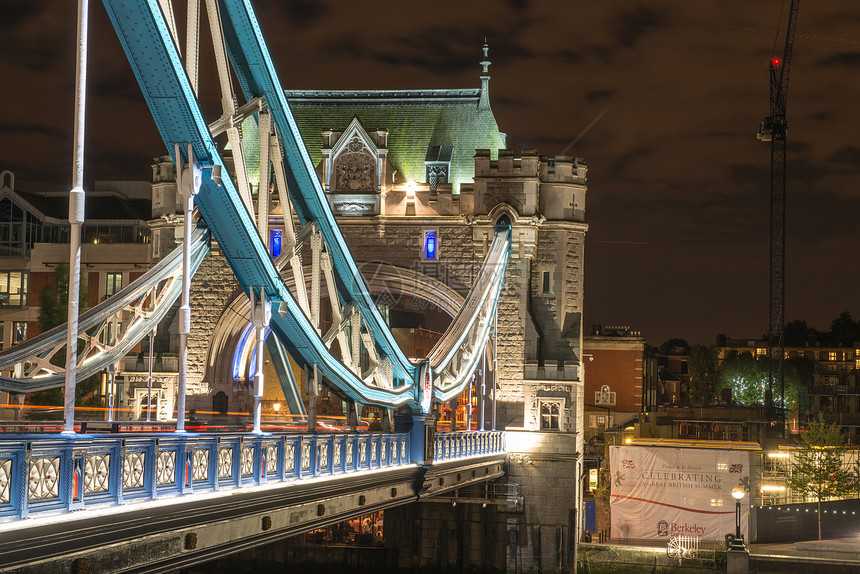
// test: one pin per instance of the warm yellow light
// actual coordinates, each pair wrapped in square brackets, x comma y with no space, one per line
[628,440]
[410,190]
[738,492]
[276,406]
[777,455]
[772,488]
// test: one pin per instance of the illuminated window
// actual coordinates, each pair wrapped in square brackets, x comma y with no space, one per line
[14,288]
[550,414]
[831,356]
[113,283]
[761,351]
[19,332]
[430,248]
[275,242]
[604,396]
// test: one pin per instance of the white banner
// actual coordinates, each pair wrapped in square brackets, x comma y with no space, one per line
[660,492]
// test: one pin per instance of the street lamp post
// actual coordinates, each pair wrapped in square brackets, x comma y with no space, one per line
[738,494]
[738,558]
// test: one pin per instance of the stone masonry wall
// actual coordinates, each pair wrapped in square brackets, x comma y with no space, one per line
[212,289]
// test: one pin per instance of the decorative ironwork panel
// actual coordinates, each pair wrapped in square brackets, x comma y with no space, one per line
[323,455]
[225,462]
[306,456]
[165,472]
[290,457]
[133,469]
[247,460]
[200,464]
[271,458]
[337,450]
[362,452]
[372,452]
[383,450]
[44,478]
[403,449]
[349,448]
[5,480]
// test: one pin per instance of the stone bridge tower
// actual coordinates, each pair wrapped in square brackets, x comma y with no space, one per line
[399,167]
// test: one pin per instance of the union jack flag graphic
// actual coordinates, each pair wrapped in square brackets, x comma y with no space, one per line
[627,463]
[738,468]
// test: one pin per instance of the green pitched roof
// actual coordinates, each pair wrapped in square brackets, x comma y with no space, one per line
[415,120]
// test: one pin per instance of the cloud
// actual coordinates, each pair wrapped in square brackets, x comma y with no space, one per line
[17,13]
[630,26]
[847,155]
[598,95]
[849,59]
[304,13]
[447,51]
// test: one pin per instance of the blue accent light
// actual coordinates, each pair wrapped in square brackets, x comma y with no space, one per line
[275,242]
[430,246]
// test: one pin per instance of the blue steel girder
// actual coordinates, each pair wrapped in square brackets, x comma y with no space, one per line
[155,61]
[256,73]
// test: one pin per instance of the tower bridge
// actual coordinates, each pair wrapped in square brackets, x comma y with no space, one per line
[354,250]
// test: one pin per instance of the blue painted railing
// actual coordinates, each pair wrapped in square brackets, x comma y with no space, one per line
[45,474]
[458,445]
[40,475]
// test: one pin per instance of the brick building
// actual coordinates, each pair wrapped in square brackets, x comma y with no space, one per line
[615,365]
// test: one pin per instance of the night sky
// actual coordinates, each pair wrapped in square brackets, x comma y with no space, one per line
[673,92]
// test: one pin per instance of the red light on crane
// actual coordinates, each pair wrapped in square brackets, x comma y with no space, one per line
[774,62]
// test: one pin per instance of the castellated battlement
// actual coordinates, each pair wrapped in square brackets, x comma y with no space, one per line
[563,169]
[508,164]
[554,187]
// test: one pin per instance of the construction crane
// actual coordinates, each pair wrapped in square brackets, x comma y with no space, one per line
[773,130]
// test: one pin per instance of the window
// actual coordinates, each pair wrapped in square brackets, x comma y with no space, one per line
[438,165]
[761,351]
[831,356]
[430,248]
[546,288]
[14,288]
[113,283]
[19,332]
[2,335]
[604,396]
[19,229]
[550,414]
[275,242]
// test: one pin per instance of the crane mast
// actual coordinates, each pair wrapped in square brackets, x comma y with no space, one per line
[773,129]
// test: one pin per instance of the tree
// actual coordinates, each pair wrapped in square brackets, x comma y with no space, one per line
[703,364]
[844,331]
[797,334]
[669,347]
[746,376]
[817,469]
[53,311]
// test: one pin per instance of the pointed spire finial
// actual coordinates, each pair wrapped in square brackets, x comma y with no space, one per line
[484,103]
[486,63]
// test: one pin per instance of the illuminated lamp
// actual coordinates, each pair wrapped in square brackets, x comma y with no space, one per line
[738,494]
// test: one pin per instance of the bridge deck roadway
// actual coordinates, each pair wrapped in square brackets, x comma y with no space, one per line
[167,534]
